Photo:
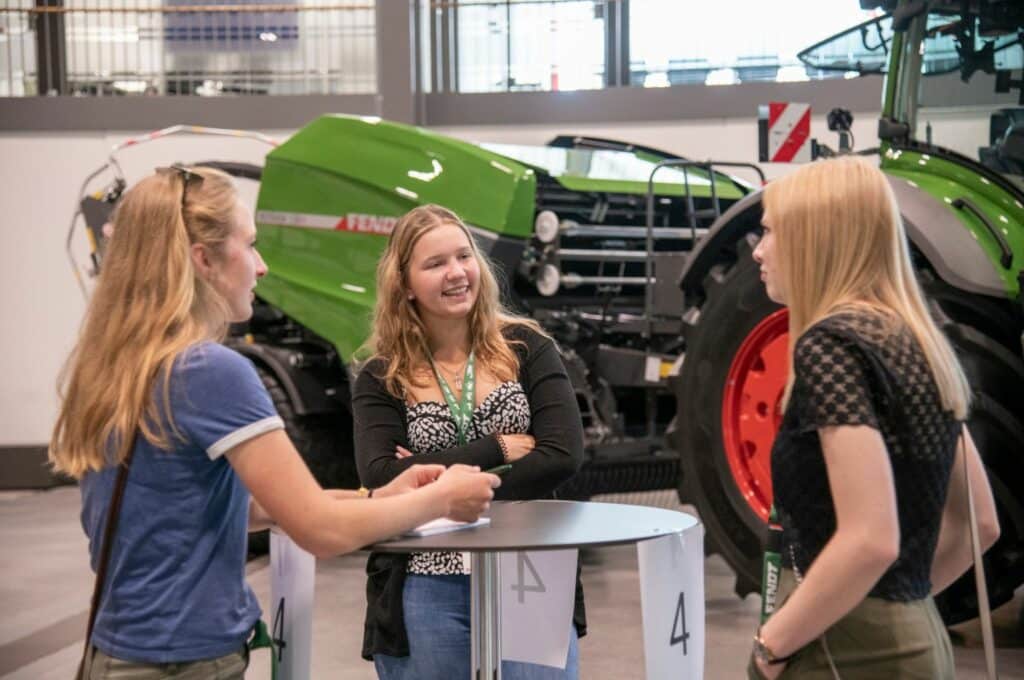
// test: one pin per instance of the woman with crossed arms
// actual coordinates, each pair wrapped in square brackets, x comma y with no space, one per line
[454,379]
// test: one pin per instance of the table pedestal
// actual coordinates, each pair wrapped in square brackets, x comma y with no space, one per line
[485,616]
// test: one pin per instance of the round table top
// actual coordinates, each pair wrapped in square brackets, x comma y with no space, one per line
[550,525]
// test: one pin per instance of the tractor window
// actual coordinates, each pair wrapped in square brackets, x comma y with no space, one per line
[594,164]
[864,49]
[861,50]
[952,44]
[971,101]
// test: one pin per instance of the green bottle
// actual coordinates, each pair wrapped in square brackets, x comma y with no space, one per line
[772,566]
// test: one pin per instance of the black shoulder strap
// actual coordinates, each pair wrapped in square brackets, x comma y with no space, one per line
[113,514]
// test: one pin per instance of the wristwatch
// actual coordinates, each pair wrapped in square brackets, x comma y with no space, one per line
[764,653]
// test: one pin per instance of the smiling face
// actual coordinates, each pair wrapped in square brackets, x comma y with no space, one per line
[443,274]
[238,265]
[765,256]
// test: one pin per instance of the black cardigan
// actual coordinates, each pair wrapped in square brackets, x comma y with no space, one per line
[380,426]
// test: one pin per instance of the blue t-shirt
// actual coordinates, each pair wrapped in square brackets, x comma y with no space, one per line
[176,587]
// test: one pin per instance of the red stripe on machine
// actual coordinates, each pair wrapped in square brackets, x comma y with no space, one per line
[366,224]
[789,132]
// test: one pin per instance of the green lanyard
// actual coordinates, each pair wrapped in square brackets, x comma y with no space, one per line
[772,567]
[462,413]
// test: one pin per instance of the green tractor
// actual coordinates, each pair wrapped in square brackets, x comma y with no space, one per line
[584,241]
[638,263]
[965,220]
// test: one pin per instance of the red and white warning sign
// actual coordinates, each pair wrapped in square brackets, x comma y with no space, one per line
[785,131]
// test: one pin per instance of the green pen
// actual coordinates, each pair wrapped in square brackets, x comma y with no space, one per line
[500,470]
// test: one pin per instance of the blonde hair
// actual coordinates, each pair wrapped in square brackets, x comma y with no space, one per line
[399,336]
[150,304]
[840,242]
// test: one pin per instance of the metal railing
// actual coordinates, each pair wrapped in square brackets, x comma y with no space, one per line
[143,47]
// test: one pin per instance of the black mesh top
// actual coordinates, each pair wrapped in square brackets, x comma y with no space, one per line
[860,368]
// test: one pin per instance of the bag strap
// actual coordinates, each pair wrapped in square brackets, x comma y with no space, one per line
[984,611]
[113,514]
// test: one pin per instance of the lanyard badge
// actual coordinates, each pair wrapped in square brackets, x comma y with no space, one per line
[462,411]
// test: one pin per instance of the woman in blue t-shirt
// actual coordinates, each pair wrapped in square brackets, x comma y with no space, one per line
[148,383]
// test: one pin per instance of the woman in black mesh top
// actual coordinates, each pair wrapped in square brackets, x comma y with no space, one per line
[867,468]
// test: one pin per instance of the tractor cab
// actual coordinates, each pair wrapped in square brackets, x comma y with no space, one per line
[956,80]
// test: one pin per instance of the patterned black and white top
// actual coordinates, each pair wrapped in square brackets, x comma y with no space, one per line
[862,368]
[431,428]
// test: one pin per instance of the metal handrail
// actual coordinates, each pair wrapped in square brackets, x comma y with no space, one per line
[686,165]
[113,165]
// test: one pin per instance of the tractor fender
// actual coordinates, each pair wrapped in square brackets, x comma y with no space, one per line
[945,241]
[308,393]
[742,216]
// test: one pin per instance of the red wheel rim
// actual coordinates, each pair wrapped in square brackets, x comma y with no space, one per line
[751,408]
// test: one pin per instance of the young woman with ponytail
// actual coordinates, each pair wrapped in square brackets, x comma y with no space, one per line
[149,388]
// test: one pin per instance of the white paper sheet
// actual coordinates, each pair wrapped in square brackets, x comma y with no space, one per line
[672,600]
[292,580]
[538,591]
[442,525]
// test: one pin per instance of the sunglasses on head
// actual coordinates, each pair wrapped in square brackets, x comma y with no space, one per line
[187,176]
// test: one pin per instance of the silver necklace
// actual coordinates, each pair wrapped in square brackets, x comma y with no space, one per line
[457,377]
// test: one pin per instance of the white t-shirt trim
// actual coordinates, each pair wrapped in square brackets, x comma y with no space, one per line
[244,434]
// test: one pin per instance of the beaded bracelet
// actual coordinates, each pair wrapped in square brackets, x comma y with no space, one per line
[504,448]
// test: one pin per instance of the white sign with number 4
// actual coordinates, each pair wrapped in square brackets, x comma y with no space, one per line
[672,600]
[292,579]
[538,591]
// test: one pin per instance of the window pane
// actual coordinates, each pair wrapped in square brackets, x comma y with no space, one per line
[165,47]
[730,41]
[531,46]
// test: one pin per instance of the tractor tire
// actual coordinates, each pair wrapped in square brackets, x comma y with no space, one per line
[724,469]
[732,506]
[323,440]
[996,423]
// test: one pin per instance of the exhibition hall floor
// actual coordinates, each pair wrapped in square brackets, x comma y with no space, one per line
[45,585]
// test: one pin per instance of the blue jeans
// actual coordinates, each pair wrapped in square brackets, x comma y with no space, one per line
[437,614]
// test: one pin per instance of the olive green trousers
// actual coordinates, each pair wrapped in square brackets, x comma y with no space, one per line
[877,639]
[230,667]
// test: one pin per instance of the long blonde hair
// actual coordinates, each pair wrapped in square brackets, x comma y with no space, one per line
[840,242]
[399,336]
[150,304]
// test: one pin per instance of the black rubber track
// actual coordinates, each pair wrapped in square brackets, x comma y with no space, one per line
[627,475]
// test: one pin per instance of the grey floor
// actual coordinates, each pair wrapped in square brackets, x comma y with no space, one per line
[45,585]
